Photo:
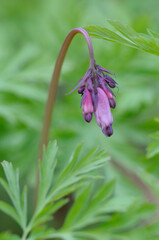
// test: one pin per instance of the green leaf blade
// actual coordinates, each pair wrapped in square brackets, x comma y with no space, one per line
[9,210]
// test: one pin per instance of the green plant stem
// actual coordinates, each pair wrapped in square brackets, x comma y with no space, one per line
[54,82]
[25,233]
[146,190]
[27,229]
[53,88]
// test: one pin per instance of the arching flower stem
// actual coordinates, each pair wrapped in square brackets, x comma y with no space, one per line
[97,98]
[53,89]
[54,83]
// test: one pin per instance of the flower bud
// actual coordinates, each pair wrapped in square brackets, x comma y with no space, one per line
[81,89]
[87,106]
[112,102]
[111,84]
[110,81]
[111,98]
[103,113]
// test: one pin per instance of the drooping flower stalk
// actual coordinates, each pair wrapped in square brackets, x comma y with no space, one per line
[53,89]
[94,87]
[54,82]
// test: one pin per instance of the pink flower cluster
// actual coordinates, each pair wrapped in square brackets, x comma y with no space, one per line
[97,97]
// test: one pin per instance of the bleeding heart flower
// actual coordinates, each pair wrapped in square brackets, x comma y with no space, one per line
[103,113]
[97,97]
[87,106]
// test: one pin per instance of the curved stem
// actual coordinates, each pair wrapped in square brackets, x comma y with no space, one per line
[54,82]
[53,88]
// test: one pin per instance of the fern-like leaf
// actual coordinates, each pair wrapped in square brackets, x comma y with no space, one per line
[125,35]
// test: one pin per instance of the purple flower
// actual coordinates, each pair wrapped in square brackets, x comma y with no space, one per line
[103,113]
[97,97]
[87,106]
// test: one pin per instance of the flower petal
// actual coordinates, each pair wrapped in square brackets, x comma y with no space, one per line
[103,113]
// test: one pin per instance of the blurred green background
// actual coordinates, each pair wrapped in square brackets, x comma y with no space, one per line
[31,34]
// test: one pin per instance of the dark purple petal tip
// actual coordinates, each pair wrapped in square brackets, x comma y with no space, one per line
[87,116]
[111,84]
[81,89]
[112,102]
[108,131]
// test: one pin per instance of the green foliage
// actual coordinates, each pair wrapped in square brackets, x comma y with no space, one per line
[87,209]
[150,171]
[90,208]
[19,201]
[8,236]
[127,36]
[77,171]
[153,148]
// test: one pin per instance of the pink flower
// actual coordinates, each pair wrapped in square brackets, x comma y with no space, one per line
[111,98]
[97,97]
[103,113]
[87,106]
